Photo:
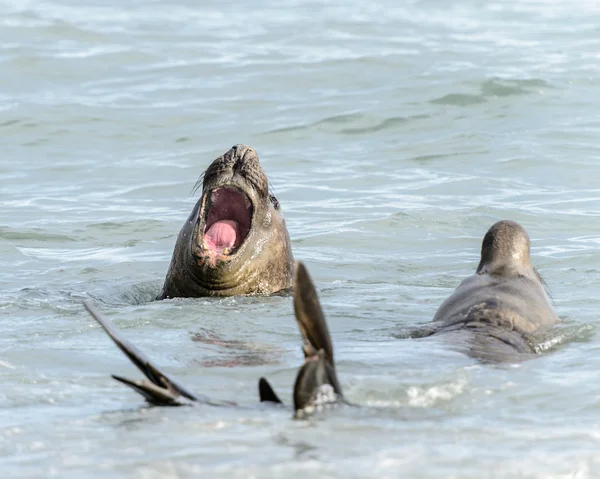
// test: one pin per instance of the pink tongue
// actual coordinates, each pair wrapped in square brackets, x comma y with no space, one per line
[222,234]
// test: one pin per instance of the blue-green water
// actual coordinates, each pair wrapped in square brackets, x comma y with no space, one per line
[394,135]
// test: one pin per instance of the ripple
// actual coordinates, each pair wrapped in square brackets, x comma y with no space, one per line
[395,135]
[433,395]
[501,87]
[350,124]
[494,88]
[549,340]
[35,234]
[459,99]
[115,255]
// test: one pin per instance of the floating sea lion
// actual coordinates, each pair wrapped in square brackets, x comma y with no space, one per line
[316,382]
[235,241]
[494,312]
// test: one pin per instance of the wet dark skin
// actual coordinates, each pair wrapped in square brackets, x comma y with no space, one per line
[316,381]
[235,241]
[493,313]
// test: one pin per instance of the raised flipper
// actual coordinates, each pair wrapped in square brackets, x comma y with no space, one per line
[161,390]
[312,324]
[316,382]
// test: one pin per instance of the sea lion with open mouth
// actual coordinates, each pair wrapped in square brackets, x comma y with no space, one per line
[495,312]
[235,241]
[316,383]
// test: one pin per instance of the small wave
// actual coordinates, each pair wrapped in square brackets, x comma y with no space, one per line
[386,124]
[428,396]
[332,120]
[350,124]
[459,99]
[114,255]
[35,234]
[6,364]
[500,87]
[138,293]
[493,88]
[549,340]
[392,395]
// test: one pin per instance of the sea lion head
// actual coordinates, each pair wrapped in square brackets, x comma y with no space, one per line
[505,251]
[235,241]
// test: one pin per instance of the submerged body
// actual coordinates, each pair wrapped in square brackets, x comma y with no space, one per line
[316,382]
[494,312]
[235,241]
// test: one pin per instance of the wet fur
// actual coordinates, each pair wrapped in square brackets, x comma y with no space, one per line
[263,264]
[492,313]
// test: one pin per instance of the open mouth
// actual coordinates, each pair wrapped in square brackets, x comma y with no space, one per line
[228,220]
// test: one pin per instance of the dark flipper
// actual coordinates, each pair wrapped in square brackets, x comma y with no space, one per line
[311,377]
[266,392]
[312,324]
[153,394]
[162,389]
[309,314]
[316,382]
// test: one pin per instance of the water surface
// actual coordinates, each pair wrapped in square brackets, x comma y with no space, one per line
[394,136]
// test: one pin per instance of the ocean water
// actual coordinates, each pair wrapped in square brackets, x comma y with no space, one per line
[394,134]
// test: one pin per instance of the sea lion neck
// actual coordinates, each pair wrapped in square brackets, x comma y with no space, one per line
[505,250]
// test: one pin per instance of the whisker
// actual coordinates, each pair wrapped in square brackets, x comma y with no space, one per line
[198,184]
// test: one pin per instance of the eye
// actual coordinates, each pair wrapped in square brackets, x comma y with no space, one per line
[275,201]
